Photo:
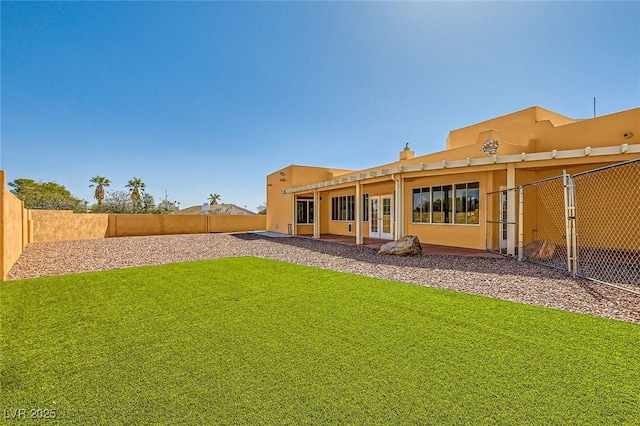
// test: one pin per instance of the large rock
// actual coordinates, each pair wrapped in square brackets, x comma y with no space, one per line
[404,246]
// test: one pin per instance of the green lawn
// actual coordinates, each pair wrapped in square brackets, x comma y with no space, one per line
[255,341]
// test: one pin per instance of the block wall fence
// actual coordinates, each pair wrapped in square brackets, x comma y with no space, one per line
[20,226]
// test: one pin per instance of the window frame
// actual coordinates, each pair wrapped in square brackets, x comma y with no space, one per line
[308,209]
[343,208]
[446,199]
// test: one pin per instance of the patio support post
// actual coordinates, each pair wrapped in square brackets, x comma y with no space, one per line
[399,209]
[511,209]
[358,217]
[397,214]
[294,215]
[316,214]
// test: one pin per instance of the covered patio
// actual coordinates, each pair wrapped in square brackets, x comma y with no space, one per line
[427,249]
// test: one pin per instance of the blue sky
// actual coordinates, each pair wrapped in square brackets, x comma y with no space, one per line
[203,97]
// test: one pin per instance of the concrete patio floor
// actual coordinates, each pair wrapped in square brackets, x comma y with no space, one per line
[427,249]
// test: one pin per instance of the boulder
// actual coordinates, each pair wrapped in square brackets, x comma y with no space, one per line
[409,245]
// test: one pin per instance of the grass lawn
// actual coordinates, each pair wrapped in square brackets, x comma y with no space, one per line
[256,341]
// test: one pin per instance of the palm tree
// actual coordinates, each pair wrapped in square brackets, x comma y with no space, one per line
[136,188]
[100,183]
[213,199]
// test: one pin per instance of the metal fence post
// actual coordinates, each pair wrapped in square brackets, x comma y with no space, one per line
[520,223]
[572,222]
[567,219]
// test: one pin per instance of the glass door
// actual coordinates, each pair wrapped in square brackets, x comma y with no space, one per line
[374,225]
[387,218]
[381,217]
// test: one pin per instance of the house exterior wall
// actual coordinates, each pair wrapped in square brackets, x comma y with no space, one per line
[527,132]
[280,208]
[448,234]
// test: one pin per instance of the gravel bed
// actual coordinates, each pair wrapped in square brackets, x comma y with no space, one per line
[499,278]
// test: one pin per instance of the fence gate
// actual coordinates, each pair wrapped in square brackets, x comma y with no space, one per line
[546,210]
[588,224]
[608,224]
[502,222]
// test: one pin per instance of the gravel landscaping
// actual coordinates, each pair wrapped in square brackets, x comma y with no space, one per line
[499,278]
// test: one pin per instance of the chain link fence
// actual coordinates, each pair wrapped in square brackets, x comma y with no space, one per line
[608,224]
[544,237]
[588,223]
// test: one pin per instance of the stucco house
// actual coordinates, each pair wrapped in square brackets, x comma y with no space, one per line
[442,197]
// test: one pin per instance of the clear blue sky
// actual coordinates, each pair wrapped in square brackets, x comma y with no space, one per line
[203,97]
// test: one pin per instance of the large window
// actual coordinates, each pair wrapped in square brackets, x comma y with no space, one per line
[468,203]
[343,208]
[422,205]
[304,212]
[459,204]
[441,201]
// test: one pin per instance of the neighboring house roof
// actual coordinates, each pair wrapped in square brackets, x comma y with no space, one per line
[226,208]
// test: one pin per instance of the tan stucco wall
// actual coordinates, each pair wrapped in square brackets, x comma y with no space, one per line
[536,130]
[531,130]
[518,127]
[124,225]
[57,225]
[606,130]
[469,236]
[20,226]
[339,227]
[237,223]
[304,230]
[13,228]
[280,210]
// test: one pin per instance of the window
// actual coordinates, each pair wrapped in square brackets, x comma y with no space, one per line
[441,204]
[365,207]
[304,212]
[343,208]
[467,203]
[459,204]
[422,205]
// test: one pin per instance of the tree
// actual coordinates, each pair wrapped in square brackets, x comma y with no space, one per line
[262,208]
[117,202]
[148,203]
[213,199]
[136,189]
[45,195]
[165,206]
[100,183]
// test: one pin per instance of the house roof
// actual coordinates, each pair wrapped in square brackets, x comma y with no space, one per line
[555,137]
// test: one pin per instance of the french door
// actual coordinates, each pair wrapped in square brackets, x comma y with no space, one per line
[381,217]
